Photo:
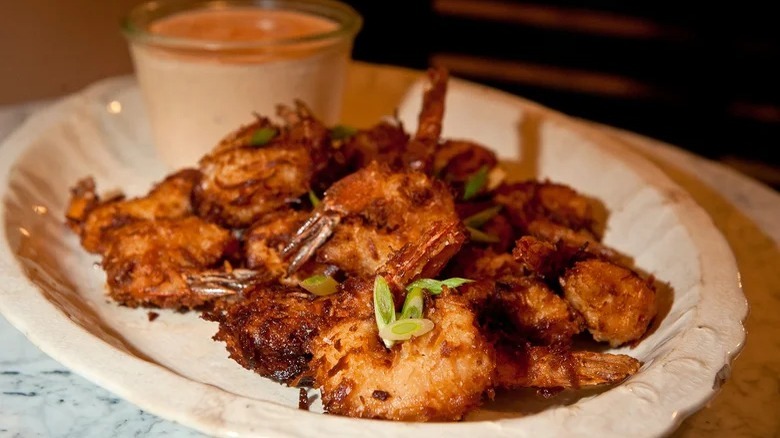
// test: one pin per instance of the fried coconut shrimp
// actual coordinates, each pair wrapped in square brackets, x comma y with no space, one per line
[147,262]
[269,330]
[528,201]
[419,284]
[265,240]
[526,366]
[617,304]
[384,143]
[261,168]
[368,215]
[439,376]
[522,303]
[91,218]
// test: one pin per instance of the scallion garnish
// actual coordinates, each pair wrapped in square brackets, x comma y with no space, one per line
[413,304]
[384,307]
[262,136]
[320,285]
[435,286]
[479,219]
[315,201]
[342,132]
[480,236]
[475,183]
[404,329]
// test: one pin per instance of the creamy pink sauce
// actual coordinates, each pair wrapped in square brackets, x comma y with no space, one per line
[241,25]
[195,96]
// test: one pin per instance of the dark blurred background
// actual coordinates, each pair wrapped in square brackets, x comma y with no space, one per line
[701,77]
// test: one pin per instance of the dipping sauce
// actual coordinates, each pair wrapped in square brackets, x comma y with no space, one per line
[204,72]
[241,24]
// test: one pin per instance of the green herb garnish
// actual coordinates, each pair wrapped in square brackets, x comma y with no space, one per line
[320,285]
[480,236]
[435,286]
[475,183]
[479,219]
[315,201]
[413,304]
[262,136]
[342,132]
[404,329]
[384,307]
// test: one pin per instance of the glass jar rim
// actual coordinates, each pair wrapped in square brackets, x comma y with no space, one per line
[135,23]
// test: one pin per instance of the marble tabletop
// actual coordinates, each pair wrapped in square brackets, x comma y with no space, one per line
[40,397]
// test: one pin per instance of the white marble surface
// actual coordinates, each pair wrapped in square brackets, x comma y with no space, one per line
[39,397]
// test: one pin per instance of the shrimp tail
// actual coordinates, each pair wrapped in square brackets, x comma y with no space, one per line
[309,237]
[425,258]
[421,149]
[220,283]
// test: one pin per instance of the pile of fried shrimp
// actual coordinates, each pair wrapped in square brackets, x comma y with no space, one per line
[400,274]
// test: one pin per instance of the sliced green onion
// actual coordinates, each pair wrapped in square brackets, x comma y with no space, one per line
[413,304]
[479,236]
[262,136]
[404,329]
[479,219]
[384,307]
[475,183]
[435,286]
[342,132]
[320,285]
[315,201]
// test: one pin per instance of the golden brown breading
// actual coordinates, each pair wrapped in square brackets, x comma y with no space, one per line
[456,161]
[527,201]
[384,143]
[536,312]
[265,240]
[269,330]
[617,304]
[572,241]
[92,219]
[146,262]
[370,214]
[439,376]
[242,182]
[521,304]
[424,257]
[525,366]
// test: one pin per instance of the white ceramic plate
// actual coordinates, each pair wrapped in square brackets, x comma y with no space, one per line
[51,290]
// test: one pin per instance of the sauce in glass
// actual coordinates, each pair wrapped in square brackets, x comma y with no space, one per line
[204,72]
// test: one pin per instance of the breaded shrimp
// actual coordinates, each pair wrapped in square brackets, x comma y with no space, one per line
[572,241]
[243,180]
[456,161]
[147,262]
[535,312]
[439,376]
[368,215]
[385,143]
[264,242]
[616,303]
[92,218]
[531,200]
[269,329]
[526,366]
